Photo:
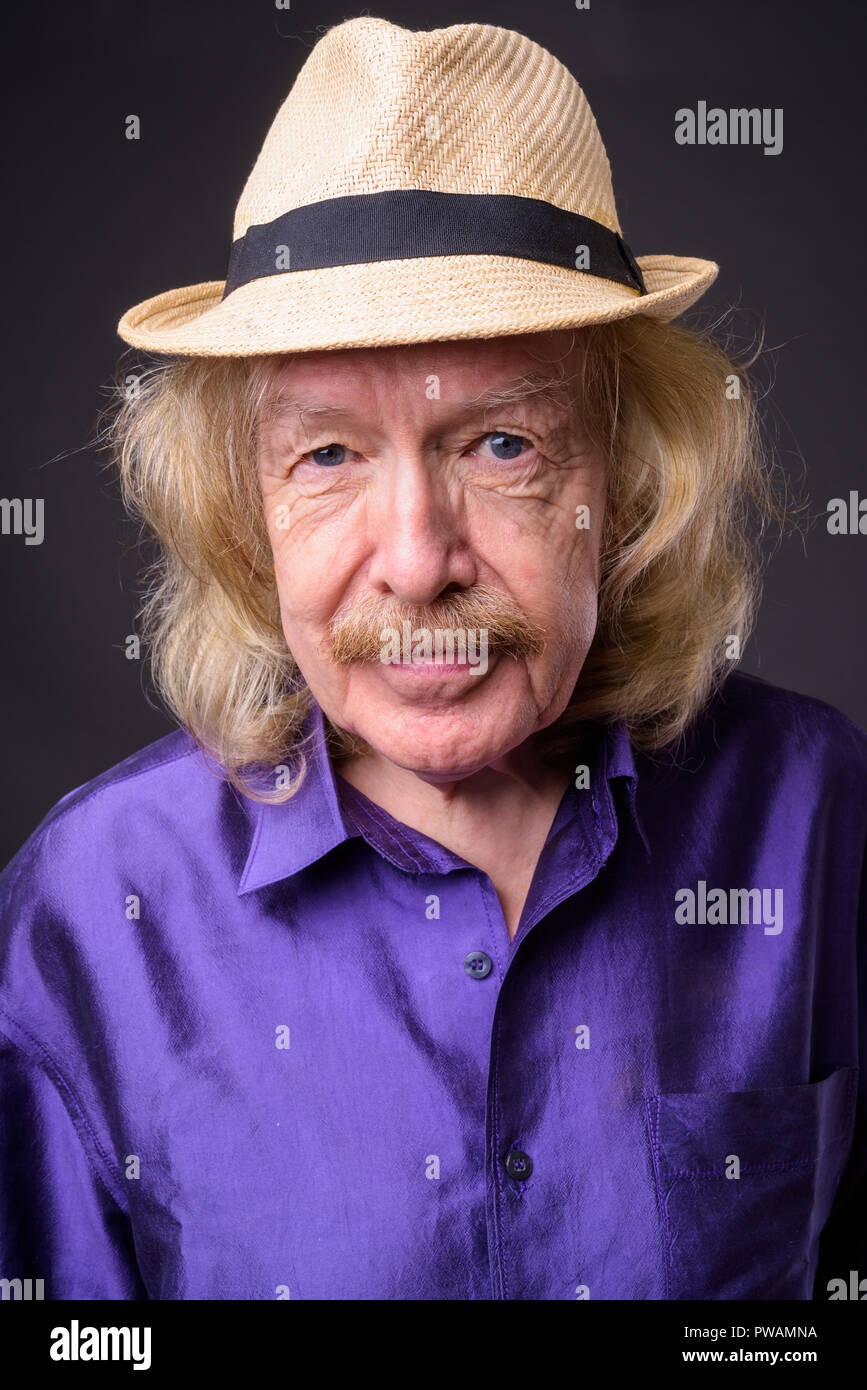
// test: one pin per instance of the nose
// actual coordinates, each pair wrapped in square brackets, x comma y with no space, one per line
[419,542]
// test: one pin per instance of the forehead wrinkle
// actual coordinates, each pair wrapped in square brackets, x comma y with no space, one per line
[284,403]
[531,389]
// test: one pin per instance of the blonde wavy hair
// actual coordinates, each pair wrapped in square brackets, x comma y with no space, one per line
[691,489]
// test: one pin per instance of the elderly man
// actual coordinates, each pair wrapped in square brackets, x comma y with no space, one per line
[478,934]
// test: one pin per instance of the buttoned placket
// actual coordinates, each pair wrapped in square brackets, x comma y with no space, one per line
[579,843]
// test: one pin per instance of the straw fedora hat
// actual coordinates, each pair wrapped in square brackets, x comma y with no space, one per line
[418,186]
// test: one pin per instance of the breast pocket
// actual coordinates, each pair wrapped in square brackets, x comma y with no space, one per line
[745,1181]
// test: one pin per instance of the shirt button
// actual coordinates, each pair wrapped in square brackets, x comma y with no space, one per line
[478,965]
[518,1164]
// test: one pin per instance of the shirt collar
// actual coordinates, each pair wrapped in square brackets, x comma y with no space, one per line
[327,811]
[290,835]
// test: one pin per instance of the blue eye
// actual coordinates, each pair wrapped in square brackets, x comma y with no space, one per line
[505,446]
[511,444]
[328,449]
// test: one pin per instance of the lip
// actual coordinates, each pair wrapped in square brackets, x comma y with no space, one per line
[435,670]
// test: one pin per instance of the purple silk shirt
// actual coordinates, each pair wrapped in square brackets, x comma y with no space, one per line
[254,1052]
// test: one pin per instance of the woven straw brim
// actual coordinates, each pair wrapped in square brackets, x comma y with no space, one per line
[410,301]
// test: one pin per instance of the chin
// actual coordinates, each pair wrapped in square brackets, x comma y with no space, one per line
[445,743]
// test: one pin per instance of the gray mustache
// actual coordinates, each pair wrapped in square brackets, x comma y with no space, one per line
[356,634]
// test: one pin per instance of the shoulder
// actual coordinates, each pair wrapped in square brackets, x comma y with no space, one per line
[120,872]
[155,797]
[748,708]
[763,738]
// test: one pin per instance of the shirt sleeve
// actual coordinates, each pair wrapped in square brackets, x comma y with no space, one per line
[58,1222]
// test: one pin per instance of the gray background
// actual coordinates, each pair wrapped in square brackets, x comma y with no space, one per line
[96,223]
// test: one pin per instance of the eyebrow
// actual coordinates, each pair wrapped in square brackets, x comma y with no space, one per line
[534,388]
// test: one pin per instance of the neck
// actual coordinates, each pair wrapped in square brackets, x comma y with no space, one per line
[497,819]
